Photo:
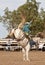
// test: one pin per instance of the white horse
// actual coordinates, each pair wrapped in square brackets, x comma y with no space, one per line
[24,42]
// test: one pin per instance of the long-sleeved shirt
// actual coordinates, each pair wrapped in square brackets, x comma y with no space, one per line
[26,28]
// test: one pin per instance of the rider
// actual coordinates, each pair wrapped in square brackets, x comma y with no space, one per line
[26,28]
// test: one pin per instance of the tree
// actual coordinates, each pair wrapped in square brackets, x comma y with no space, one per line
[29,10]
[27,1]
[0,18]
[37,25]
[25,13]
[11,19]
[42,14]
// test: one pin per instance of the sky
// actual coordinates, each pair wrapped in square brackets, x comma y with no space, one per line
[13,4]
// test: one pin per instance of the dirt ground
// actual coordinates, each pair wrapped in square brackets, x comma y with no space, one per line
[15,58]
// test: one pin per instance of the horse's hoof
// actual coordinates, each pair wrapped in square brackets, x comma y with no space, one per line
[28,60]
[24,60]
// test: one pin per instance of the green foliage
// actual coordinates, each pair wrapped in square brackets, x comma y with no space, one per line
[0,19]
[30,11]
[37,26]
[11,19]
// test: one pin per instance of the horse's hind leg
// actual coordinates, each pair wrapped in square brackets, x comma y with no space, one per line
[27,51]
[24,56]
[27,58]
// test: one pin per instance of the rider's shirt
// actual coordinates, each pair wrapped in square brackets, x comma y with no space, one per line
[26,29]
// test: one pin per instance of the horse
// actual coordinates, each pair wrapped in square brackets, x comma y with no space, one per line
[22,41]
